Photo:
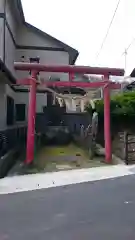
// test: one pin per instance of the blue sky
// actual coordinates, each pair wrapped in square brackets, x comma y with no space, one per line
[83,25]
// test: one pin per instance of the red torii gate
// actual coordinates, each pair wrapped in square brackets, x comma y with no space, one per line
[35,68]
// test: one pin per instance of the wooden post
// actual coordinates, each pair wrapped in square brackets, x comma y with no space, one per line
[126,148]
[107,130]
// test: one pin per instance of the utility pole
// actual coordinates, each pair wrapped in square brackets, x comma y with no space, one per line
[125,62]
[125,54]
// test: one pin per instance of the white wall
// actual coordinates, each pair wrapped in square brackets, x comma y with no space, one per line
[10,16]
[19,97]
[2,6]
[9,52]
[46,57]
[9,91]
[1,29]
[28,37]
[4,91]
[115,91]
[23,97]
[9,43]
[2,107]
[1,38]
[41,102]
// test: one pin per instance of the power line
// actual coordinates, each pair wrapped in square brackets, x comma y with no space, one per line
[108,30]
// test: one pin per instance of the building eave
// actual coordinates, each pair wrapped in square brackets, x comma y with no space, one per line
[20,8]
[132,73]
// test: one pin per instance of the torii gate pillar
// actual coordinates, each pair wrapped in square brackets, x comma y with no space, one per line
[31,120]
[107,130]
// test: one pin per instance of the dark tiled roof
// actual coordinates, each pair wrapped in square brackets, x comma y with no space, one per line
[130,86]
[132,73]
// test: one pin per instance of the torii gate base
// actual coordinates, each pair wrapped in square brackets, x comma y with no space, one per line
[35,68]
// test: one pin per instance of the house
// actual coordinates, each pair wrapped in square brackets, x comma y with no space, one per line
[130,85]
[20,41]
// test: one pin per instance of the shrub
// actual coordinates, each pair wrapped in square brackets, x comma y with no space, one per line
[122,107]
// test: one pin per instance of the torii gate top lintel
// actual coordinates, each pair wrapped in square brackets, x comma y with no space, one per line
[68,69]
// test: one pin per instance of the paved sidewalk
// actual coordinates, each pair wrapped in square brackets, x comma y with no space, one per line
[49,180]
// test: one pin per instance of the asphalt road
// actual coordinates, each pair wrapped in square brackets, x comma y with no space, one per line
[102,210]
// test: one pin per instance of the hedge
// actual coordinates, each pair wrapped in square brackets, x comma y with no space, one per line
[122,107]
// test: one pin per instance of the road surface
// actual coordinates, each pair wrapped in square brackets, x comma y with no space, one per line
[101,210]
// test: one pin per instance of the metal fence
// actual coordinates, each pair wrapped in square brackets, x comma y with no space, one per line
[126,147]
[11,138]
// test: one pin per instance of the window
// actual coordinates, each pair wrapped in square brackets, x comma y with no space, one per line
[20,112]
[10,111]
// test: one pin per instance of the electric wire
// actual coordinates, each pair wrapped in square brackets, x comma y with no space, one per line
[110,24]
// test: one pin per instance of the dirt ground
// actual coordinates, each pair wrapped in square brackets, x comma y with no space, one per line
[58,158]
[65,157]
